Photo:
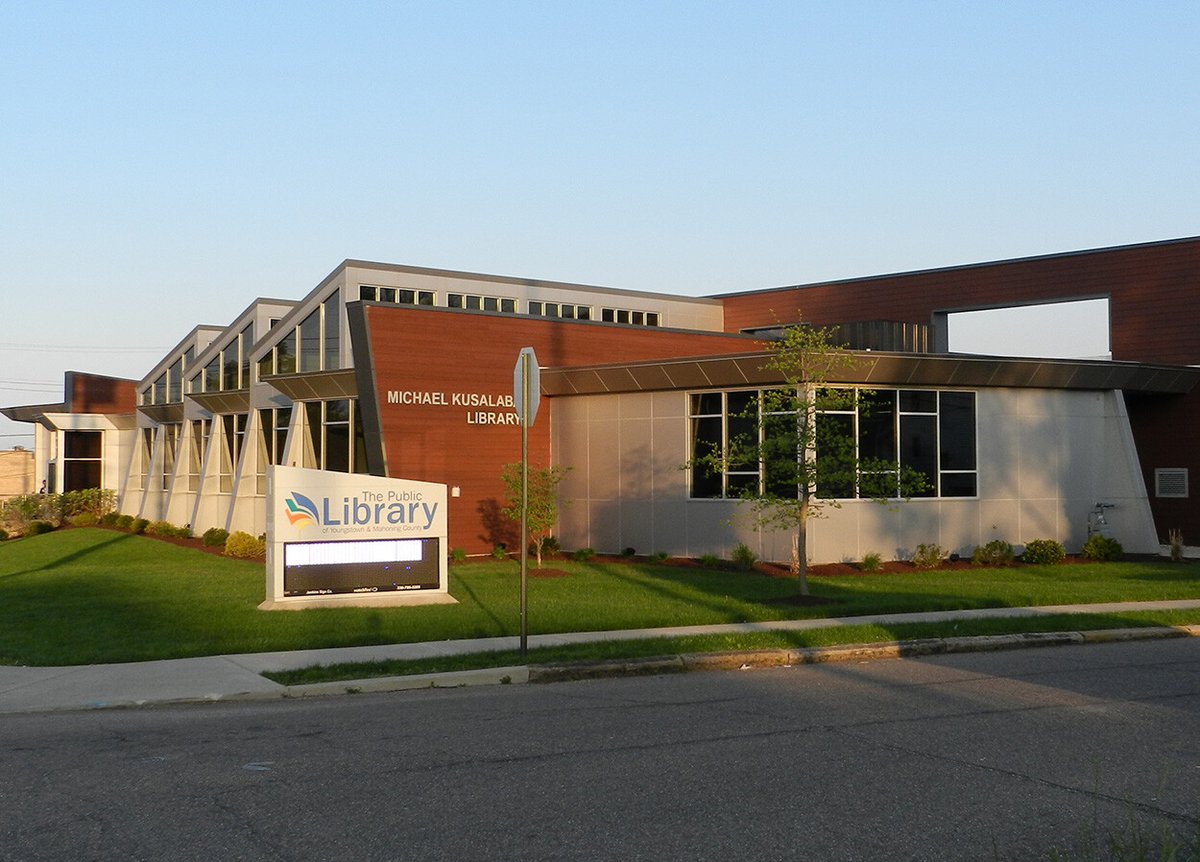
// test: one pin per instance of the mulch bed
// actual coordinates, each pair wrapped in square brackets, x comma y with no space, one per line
[771,570]
[548,573]
[196,543]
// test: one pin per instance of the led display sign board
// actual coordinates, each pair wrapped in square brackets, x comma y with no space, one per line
[338,538]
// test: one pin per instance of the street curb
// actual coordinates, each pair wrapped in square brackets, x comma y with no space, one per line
[452,679]
[683,663]
[749,659]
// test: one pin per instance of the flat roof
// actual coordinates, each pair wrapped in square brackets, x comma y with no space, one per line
[751,291]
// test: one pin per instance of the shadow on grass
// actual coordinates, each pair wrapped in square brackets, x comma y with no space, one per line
[92,596]
[467,590]
[67,559]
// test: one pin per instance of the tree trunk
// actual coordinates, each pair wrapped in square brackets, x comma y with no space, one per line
[801,554]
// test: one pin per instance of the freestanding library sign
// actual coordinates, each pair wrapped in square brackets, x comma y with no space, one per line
[348,539]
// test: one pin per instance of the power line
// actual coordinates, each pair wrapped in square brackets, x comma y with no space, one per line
[22,387]
[28,387]
[78,348]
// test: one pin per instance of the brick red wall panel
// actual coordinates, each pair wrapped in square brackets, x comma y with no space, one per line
[92,393]
[1154,295]
[1154,308]
[1164,428]
[441,354]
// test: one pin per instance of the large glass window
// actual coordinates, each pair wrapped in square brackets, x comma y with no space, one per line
[175,381]
[170,436]
[274,428]
[314,436]
[83,459]
[232,439]
[285,354]
[272,438]
[212,376]
[334,436]
[396,296]
[865,441]
[474,303]
[337,435]
[956,444]
[568,311]
[200,432]
[333,332]
[147,453]
[245,342]
[625,315]
[310,342]
[229,366]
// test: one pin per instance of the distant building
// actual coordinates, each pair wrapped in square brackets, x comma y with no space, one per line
[407,372]
[16,473]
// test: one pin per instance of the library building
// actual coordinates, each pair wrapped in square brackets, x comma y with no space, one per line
[404,372]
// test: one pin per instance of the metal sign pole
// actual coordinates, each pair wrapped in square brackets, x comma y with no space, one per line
[525,357]
[526,394]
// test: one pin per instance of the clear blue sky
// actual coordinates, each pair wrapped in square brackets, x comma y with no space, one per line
[166,163]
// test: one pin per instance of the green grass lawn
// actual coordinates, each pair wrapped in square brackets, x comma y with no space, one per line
[85,596]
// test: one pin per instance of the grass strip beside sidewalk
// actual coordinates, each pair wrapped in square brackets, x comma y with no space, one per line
[741,642]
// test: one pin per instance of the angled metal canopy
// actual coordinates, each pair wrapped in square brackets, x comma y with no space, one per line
[893,369]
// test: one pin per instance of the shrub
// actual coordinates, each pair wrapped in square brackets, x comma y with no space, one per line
[21,511]
[658,557]
[109,519]
[1102,549]
[997,552]
[125,522]
[214,537]
[743,557]
[139,525]
[84,519]
[1043,552]
[928,556]
[97,501]
[458,555]
[244,545]
[3,534]
[550,545]
[499,552]
[628,552]
[710,561]
[161,528]
[871,562]
[583,555]
[36,528]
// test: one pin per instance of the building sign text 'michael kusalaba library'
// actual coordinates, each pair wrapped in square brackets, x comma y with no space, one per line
[481,408]
[349,536]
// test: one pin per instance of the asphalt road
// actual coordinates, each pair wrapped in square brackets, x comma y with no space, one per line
[976,756]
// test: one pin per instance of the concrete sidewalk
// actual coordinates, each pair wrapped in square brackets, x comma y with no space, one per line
[238,677]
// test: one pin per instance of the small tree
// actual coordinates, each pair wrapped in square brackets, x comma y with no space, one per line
[543,500]
[799,438]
